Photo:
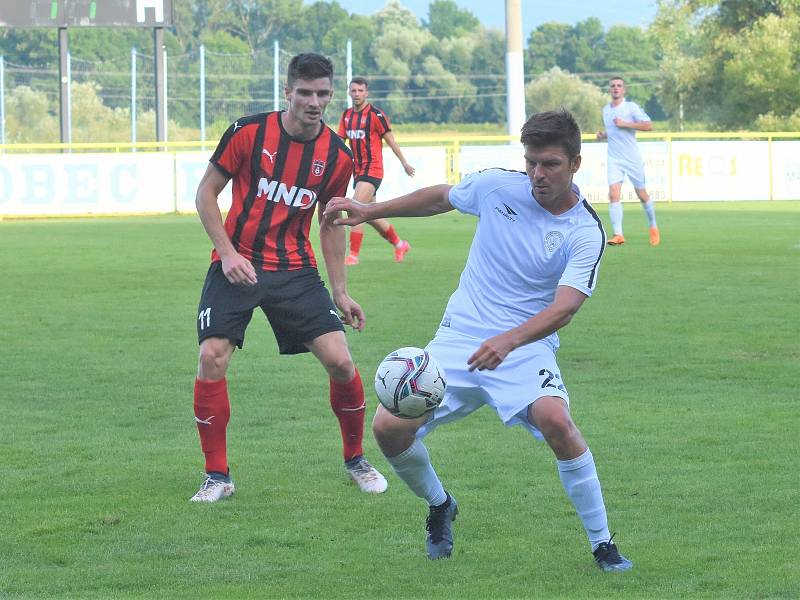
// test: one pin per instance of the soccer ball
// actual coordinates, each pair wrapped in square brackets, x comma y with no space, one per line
[409,383]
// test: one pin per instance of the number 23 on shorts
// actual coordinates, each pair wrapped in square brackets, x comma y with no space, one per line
[551,380]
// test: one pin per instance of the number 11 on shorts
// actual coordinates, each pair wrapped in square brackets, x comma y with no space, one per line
[204,318]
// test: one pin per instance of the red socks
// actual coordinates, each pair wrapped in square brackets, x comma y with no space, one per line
[212,411]
[356,238]
[347,402]
[391,236]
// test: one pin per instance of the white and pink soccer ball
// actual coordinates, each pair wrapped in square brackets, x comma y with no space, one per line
[409,383]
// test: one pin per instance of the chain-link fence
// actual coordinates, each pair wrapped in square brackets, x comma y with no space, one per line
[114,99]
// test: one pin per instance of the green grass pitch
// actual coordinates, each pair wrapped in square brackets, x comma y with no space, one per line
[683,372]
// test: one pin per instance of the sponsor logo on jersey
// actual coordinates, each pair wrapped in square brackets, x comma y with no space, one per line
[277,191]
[356,134]
[269,155]
[508,212]
[317,167]
[236,126]
[553,241]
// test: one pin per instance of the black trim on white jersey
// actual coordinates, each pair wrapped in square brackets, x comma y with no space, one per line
[590,210]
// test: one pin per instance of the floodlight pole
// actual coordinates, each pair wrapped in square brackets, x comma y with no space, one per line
[63,85]
[69,98]
[515,70]
[161,113]
[2,100]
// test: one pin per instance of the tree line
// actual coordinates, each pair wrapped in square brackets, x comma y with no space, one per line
[721,64]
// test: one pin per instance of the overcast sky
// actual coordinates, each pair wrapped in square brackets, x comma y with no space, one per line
[491,13]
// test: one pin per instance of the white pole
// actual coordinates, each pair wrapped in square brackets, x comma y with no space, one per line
[202,93]
[2,100]
[276,73]
[349,70]
[69,97]
[515,71]
[133,97]
[166,98]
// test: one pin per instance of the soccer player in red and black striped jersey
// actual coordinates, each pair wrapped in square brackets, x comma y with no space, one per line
[284,166]
[366,127]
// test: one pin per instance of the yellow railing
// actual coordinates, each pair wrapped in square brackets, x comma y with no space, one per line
[452,143]
[453,140]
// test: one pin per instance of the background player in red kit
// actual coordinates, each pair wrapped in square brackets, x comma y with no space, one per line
[283,164]
[366,127]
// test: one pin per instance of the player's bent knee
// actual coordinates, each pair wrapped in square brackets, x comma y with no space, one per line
[388,428]
[215,355]
[550,416]
[340,368]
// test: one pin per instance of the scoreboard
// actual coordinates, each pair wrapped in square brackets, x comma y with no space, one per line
[86,13]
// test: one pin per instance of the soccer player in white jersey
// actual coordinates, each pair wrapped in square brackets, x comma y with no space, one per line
[497,341]
[622,119]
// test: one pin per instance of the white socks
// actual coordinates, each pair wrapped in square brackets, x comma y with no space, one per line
[414,467]
[650,209]
[580,481]
[615,214]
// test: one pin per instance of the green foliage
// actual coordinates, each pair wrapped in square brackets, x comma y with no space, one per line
[772,122]
[585,49]
[29,117]
[446,19]
[547,48]
[729,61]
[557,88]
[581,46]
[92,120]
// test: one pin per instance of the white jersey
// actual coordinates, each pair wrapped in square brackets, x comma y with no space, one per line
[622,147]
[520,254]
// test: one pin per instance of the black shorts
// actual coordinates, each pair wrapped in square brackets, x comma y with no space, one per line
[296,303]
[373,180]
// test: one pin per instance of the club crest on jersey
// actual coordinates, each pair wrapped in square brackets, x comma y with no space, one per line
[553,241]
[317,167]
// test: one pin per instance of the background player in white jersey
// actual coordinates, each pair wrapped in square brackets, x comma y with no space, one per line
[533,262]
[622,119]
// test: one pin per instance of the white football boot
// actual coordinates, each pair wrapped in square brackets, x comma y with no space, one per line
[213,490]
[367,477]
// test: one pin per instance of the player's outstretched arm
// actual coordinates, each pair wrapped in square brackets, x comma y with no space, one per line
[423,202]
[236,268]
[493,351]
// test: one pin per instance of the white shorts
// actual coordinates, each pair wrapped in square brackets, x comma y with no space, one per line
[527,374]
[617,171]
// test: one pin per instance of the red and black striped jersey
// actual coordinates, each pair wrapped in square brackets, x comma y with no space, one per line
[277,181]
[365,129]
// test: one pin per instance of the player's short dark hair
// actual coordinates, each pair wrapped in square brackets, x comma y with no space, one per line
[553,128]
[309,65]
[617,79]
[359,81]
